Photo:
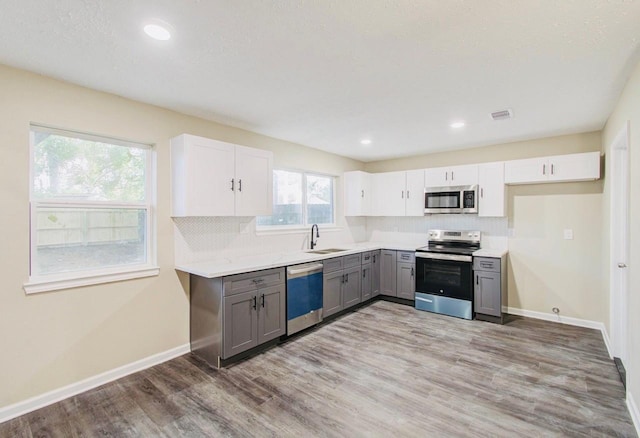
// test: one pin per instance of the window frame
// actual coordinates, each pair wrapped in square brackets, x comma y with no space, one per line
[65,280]
[304,225]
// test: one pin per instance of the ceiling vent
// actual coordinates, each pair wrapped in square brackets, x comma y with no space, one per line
[502,115]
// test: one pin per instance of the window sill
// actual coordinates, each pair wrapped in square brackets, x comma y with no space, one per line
[297,230]
[37,285]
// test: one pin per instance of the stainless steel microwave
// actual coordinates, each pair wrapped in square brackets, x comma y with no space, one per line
[459,199]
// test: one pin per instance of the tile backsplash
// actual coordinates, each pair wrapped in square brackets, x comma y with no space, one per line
[222,238]
[219,238]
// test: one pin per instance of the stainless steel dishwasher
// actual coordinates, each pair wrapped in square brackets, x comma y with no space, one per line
[304,296]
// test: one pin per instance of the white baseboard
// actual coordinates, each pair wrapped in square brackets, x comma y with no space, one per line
[633,410]
[564,320]
[40,401]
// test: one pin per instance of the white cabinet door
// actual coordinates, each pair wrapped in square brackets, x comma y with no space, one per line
[436,177]
[390,193]
[491,191]
[531,170]
[559,168]
[214,178]
[451,176]
[202,171]
[463,175]
[254,186]
[357,193]
[414,197]
[574,167]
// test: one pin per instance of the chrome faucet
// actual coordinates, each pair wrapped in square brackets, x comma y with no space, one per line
[313,243]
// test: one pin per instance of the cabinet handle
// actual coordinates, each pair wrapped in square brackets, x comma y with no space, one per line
[255,302]
[477,279]
[342,280]
[362,196]
[239,185]
[411,272]
[374,259]
[347,278]
[407,194]
[403,194]
[551,169]
[452,175]
[364,273]
[233,185]
[262,299]
[544,169]
[481,192]
[446,176]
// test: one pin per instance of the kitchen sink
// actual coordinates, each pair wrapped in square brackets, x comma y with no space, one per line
[326,251]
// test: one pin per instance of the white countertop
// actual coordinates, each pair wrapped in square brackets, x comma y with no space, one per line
[221,268]
[491,252]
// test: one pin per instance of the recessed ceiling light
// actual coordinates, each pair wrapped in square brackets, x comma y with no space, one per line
[365,141]
[457,125]
[158,30]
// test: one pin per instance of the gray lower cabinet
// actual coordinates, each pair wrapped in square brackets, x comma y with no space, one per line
[332,293]
[230,315]
[490,287]
[375,273]
[367,282]
[252,318]
[405,280]
[351,287]
[240,323]
[388,273]
[487,293]
[341,283]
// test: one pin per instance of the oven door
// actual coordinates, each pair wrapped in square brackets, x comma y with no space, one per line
[447,275]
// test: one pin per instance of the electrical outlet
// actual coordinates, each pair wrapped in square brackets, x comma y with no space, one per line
[568,234]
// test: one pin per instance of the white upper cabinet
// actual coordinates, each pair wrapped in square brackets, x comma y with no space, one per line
[559,168]
[214,178]
[398,193]
[254,182]
[357,193]
[414,199]
[452,176]
[491,190]
[389,189]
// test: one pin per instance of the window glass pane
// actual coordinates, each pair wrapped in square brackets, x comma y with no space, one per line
[78,169]
[79,239]
[287,200]
[319,199]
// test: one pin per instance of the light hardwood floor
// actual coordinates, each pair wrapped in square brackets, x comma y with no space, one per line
[384,370]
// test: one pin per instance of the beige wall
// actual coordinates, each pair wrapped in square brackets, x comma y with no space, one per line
[545,271]
[50,340]
[628,108]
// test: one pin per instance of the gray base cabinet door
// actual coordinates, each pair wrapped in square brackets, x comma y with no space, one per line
[351,288]
[271,313]
[240,323]
[487,297]
[388,273]
[375,273]
[406,282]
[367,282]
[332,293]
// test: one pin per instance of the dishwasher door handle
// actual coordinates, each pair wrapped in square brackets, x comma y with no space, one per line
[306,269]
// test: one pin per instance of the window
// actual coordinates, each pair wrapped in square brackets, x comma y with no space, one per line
[300,199]
[90,209]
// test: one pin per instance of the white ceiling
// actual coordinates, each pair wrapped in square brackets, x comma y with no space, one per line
[327,73]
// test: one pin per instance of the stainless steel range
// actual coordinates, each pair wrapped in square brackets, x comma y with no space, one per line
[444,273]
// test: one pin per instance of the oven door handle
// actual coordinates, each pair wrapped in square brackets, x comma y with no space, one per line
[439,256]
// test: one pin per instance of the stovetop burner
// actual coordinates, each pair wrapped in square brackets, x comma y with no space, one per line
[452,242]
